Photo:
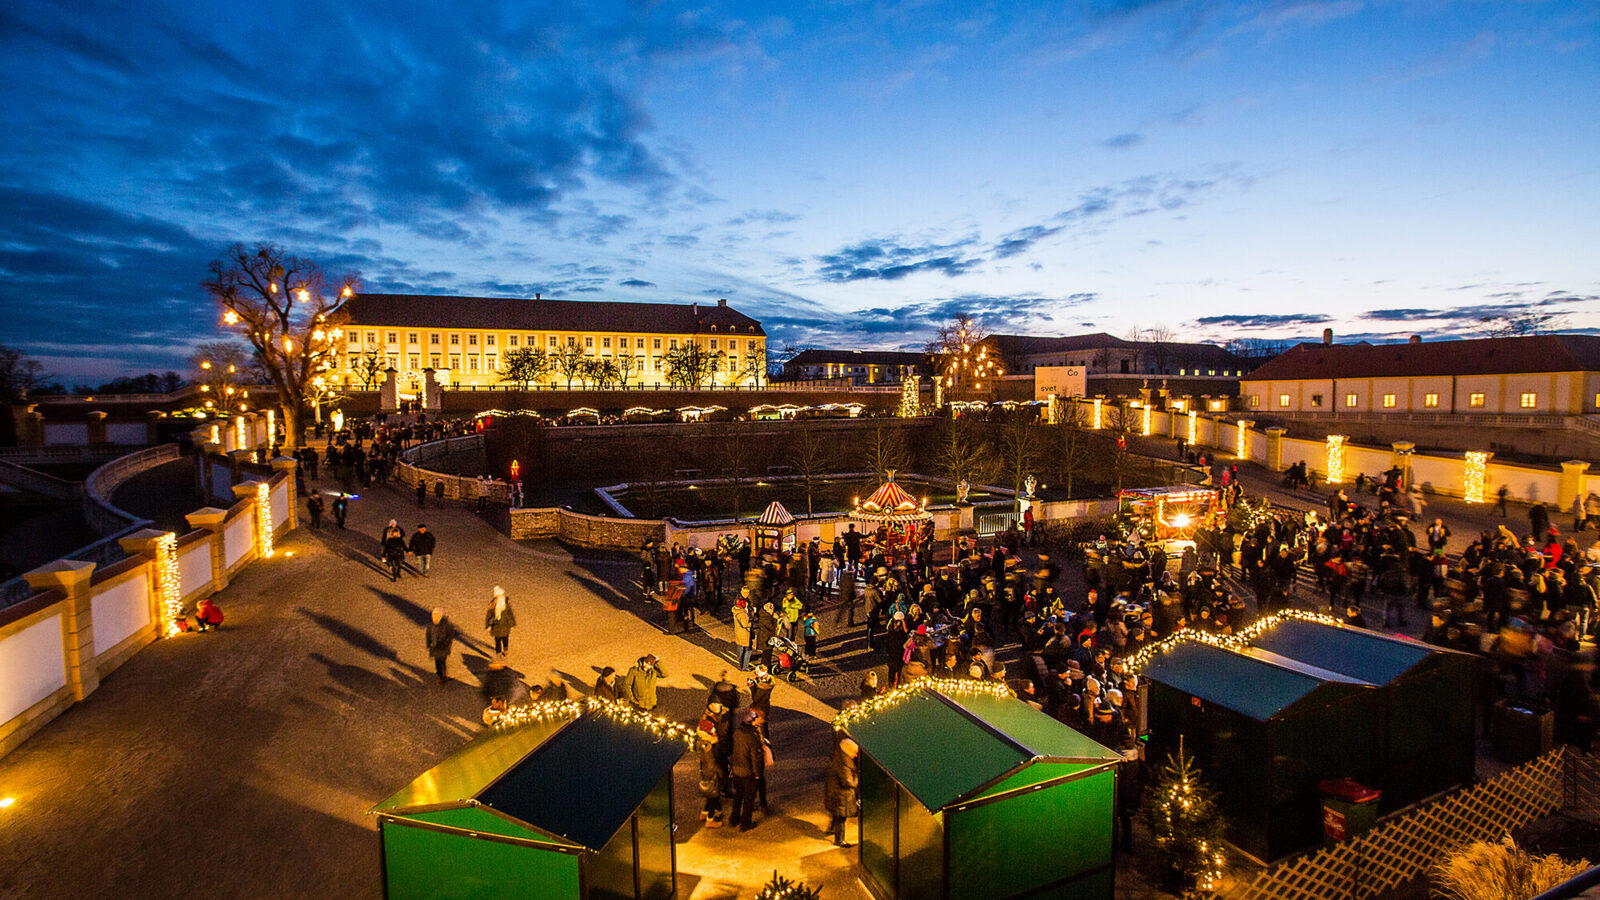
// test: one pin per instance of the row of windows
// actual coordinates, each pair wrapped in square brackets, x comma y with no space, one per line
[1475,400]
[491,362]
[413,338]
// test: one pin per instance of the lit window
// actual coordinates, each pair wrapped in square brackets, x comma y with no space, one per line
[372,337]
[455,341]
[588,342]
[1475,399]
[1349,400]
[1430,400]
[554,341]
[1255,401]
[605,342]
[491,363]
[455,362]
[511,339]
[533,340]
[394,360]
[1597,399]
[433,360]
[572,341]
[1316,400]
[713,343]
[412,338]
[1283,400]
[489,339]
[657,344]
[674,343]
[433,339]
[472,340]
[1388,401]
[1211,371]
[394,338]
[1183,371]
[639,343]
[472,362]
[1529,400]
[416,361]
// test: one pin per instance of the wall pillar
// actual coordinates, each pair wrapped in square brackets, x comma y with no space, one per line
[287,466]
[152,426]
[209,518]
[71,577]
[145,542]
[1400,458]
[30,425]
[97,427]
[1572,483]
[1241,441]
[1275,448]
[430,391]
[389,394]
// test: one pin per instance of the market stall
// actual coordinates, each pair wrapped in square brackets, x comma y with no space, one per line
[576,803]
[775,529]
[893,511]
[967,791]
[1169,517]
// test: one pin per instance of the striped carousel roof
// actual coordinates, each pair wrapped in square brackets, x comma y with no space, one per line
[775,515]
[890,503]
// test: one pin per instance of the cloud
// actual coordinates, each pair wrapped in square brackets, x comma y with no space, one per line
[636,283]
[887,259]
[1022,240]
[1399,315]
[1123,141]
[1263,320]
[762,217]
[915,323]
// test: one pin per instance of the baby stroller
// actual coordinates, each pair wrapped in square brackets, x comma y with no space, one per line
[788,661]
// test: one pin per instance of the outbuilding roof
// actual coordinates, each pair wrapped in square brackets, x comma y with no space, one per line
[1483,356]
[522,314]
[1255,683]
[1356,652]
[816,357]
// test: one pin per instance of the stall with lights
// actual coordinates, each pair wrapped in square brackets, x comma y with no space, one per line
[583,415]
[556,800]
[891,506]
[1265,729]
[967,791]
[775,530]
[1168,517]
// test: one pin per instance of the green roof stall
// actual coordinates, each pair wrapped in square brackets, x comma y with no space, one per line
[1264,730]
[969,794]
[567,807]
[1424,695]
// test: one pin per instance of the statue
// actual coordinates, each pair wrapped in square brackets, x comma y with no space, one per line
[1028,484]
[963,488]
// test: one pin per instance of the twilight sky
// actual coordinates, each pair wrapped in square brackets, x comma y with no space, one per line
[849,173]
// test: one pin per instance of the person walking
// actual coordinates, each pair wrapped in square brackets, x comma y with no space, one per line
[499,620]
[710,765]
[809,629]
[1500,497]
[341,505]
[314,509]
[741,628]
[746,763]
[440,635]
[422,493]
[639,687]
[422,543]
[394,549]
[766,630]
[841,792]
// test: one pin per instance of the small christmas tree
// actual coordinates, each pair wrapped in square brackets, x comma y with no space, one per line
[1186,824]
[781,888]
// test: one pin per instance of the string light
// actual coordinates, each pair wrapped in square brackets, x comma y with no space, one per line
[615,710]
[1052,410]
[1194,427]
[938,392]
[167,583]
[239,435]
[264,518]
[1147,420]
[910,397]
[1335,459]
[967,687]
[230,318]
[1242,442]
[1477,476]
[216,434]
[1240,640]
[1096,415]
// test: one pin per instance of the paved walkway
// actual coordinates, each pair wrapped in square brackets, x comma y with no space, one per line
[241,763]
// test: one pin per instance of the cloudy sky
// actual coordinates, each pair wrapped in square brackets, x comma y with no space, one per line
[849,173]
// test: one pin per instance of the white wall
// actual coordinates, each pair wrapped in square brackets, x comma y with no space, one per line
[194,567]
[280,505]
[33,666]
[66,433]
[127,433]
[238,538]
[119,612]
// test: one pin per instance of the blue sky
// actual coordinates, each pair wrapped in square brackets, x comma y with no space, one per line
[849,173]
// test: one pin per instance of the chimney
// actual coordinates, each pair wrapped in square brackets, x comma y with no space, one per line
[1327,337]
[537,297]
[723,303]
[1416,339]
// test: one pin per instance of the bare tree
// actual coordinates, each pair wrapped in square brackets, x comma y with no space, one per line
[290,313]
[811,454]
[1522,324]
[1120,428]
[19,375]
[775,361]
[220,369]
[689,365]
[882,449]
[735,447]
[963,452]
[1068,443]
[1020,448]
[569,362]
[369,368]
[1158,340]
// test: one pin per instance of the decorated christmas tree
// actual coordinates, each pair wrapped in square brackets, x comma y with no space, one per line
[1184,820]
[780,888]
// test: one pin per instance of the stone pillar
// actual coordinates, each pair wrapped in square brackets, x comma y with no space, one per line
[209,518]
[143,543]
[152,426]
[1275,448]
[30,425]
[71,577]
[97,427]
[1241,442]
[1572,483]
[389,394]
[287,466]
[430,391]
[1400,458]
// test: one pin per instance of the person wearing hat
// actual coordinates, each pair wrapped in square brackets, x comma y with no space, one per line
[792,608]
[711,774]
[741,628]
[766,630]
[746,763]
[499,620]
[421,546]
[639,686]
[394,549]
[841,792]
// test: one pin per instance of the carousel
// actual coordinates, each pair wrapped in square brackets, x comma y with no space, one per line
[892,512]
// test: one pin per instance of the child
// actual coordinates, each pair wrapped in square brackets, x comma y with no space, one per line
[810,628]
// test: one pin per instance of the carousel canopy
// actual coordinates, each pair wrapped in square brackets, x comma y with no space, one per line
[775,515]
[891,504]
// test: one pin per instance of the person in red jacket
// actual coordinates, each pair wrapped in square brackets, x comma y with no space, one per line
[207,615]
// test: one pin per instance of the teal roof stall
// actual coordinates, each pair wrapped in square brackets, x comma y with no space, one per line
[969,794]
[568,807]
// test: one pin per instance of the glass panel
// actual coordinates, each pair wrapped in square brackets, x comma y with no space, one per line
[921,851]
[1015,846]
[655,843]
[477,870]
[611,870]
[877,824]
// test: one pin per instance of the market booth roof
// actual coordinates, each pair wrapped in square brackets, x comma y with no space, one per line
[1255,683]
[569,780]
[890,504]
[775,514]
[1357,652]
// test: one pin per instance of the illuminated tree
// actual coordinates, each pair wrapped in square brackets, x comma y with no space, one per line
[689,365]
[1187,826]
[523,365]
[369,368]
[569,362]
[289,312]
[220,369]
[962,358]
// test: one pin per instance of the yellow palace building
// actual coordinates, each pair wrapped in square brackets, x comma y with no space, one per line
[465,339]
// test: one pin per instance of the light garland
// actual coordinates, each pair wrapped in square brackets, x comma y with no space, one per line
[240,442]
[1240,640]
[1242,440]
[168,584]
[616,710]
[264,519]
[969,687]
[1052,410]
[1194,427]
[272,428]
[1095,415]
[216,434]
[1335,460]
[1148,418]
[938,392]
[1477,476]
[910,397]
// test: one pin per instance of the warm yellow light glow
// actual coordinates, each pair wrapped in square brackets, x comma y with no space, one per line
[7,802]
[346,292]
[205,388]
[1335,462]
[264,518]
[167,583]
[1242,444]
[205,364]
[302,295]
[230,317]
[911,397]
[1194,427]
[239,436]
[1096,416]
[232,369]
[1477,476]
[216,434]
[1147,419]
[288,345]
[1240,640]
[272,425]
[1181,520]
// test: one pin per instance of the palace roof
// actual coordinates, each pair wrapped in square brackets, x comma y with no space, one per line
[522,314]
[1484,356]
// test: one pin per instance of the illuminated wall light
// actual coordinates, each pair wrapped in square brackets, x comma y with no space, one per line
[240,439]
[264,518]
[911,397]
[1335,459]
[938,392]
[272,425]
[1095,415]
[1053,410]
[216,434]
[1477,476]
[168,585]
[1148,416]
[1242,442]
[1194,427]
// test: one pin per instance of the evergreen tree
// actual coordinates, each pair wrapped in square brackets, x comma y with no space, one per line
[1187,826]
